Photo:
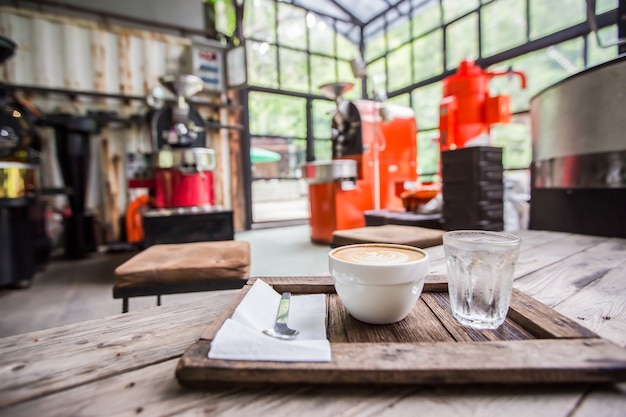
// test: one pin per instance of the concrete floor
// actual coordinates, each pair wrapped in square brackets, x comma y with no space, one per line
[70,291]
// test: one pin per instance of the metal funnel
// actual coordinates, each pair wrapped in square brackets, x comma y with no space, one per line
[182,85]
[335,90]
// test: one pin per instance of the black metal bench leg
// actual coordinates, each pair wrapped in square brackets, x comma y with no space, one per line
[125,305]
[159,300]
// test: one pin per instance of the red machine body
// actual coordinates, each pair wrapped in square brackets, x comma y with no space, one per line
[374,154]
[467,110]
[179,172]
[337,207]
[397,151]
[177,188]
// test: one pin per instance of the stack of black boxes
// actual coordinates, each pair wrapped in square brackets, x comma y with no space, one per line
[473,188]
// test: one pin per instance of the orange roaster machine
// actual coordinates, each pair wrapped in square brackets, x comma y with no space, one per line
[374,153]
[467,109]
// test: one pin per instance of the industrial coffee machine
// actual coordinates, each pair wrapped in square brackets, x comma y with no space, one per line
[181,176]
[374,153]
[23,242]
[578,179]
[468,110]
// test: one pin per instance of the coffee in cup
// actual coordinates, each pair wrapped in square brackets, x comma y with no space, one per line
[378,283]
[377,254]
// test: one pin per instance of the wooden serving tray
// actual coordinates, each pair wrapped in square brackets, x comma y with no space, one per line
[535,345]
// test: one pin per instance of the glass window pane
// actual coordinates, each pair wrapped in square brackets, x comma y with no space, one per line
[515,140]
[542,69]
[426,105]
[323,150]
[274,114]
[401,100]
[283,159]
[543,16]
[322,114]
[297,157]
[261,64]
[293,70]
[399,34]
[598,55]
[399,66]
[461,40]
[377,76]
[606,5]
[503,26]
[547,66]
[345,75]
[277,192]
[322,72]
[321,35]
[291,26]
[276,199]
[455,8]
[260,24]
[375,47]
[428,55]
[346,49]
[426,17]
[508,86]
[428,154]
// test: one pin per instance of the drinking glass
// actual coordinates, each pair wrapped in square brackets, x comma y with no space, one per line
[480,275]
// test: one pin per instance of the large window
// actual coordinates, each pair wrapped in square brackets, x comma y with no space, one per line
[408,52]
[290,53]
[461,40]
[444,32]
[266,107]
[503,25]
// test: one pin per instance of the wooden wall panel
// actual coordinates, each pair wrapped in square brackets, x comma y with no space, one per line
[77,54]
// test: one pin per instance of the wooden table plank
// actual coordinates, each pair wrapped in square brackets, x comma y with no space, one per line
[480,401]
[439,303]
[542,321]
[154,391]
[601,306]
[611,400]
[558,281]
[76,370]
[535,255]
[53,360]
[420,325]
[523,361]
[538,249]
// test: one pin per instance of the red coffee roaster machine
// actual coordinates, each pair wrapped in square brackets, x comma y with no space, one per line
[179,175]
[374,153]
[467,109]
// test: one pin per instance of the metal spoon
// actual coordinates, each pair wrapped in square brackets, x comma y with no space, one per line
[280,330]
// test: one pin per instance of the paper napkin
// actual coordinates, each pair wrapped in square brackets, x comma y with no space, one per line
[241,337]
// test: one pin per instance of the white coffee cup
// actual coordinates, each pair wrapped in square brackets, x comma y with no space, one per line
[378,283]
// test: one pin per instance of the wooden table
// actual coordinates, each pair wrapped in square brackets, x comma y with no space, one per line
[124,365]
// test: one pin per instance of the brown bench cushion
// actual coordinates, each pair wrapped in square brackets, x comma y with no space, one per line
[186,263]
[420,237]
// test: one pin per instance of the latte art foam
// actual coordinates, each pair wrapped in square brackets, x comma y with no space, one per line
[377,255]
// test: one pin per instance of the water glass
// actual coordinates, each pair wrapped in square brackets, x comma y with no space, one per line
[480,275]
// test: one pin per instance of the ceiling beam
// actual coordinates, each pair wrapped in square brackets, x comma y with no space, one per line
[395,6]
[353,18]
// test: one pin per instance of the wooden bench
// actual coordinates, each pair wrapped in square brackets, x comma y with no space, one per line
[181,268]
[420,237]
